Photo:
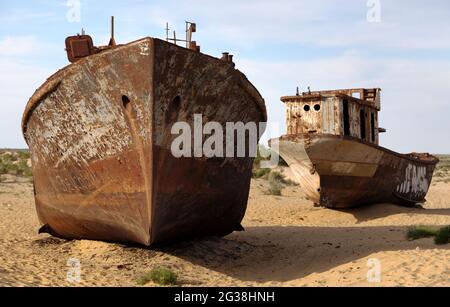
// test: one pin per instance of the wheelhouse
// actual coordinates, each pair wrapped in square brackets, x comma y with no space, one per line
[348,112]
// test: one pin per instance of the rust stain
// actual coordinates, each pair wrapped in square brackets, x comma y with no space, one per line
[333,148]
[99,136]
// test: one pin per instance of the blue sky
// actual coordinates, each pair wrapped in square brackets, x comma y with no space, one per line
[279,45]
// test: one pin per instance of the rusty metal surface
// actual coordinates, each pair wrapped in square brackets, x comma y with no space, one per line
[100,144]
[333,149]
[344,172]
[199,195]
[323,113]
[78,47]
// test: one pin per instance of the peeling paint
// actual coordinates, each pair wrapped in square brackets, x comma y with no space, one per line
[345,166]
[99,136]
[415,181]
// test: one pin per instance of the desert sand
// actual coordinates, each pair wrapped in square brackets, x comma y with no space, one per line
[287,242]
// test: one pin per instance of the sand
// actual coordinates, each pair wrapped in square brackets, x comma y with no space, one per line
[287,242]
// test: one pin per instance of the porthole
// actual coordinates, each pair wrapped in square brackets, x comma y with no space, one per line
[317,107]
[125,101]
[306,108]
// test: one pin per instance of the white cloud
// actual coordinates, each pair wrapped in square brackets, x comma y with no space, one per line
[414,89]
[323,23]
[17,46]
[18,81]
[21,16]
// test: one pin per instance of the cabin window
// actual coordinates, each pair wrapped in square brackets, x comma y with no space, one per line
[306,108]
[346,119]
[362,120]
[372,126]
[356,95]
[317,107]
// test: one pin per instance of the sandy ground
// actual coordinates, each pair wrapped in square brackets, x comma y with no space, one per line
[287,242]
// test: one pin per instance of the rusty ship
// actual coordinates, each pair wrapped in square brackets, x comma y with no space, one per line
[99,133]
[332,148]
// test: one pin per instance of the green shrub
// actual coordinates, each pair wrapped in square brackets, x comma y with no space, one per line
[161,276]
[275,184]
[8,158]
[12,169]
[420,232]
[3,168]
[24,169]
[260,172]
[275,188]
[15,163]
[278,177]
[24,155]
[443,236]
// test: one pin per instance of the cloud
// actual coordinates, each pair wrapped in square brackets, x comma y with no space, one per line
[11,46]
[18,81]
[322,23]
[23,16]
[278,44]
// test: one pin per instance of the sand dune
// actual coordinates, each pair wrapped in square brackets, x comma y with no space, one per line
[287,242]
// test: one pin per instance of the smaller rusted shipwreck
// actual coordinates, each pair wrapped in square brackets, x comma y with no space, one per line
[99,132]
[332,147]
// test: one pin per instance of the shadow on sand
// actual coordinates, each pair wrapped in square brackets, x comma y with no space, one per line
[282,254]
[373,212]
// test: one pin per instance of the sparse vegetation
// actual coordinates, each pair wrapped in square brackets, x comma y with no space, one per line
[15,163]
[277,183]
[420,232]
[442,172]
[278,177]
[161,276]
[441,236]
[275,188]
[261,155]
[260,172]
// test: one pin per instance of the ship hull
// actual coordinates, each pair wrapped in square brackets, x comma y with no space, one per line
[100,137]
[344,172]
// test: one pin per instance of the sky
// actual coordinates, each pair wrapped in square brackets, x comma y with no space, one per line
[400,46]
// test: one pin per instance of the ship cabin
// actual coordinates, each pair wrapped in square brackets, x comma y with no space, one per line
[348,112]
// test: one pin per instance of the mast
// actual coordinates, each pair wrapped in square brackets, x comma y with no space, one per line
[112,41]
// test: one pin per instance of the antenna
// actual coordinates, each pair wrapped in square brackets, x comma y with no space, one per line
[187,34]
[167,31]
[82,31]
[190,28]
[298,91]
[112,41]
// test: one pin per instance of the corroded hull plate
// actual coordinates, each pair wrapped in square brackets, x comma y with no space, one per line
[343,172]
[99,132]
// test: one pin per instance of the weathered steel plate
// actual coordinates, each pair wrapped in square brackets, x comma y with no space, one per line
[99,132]
[343,172]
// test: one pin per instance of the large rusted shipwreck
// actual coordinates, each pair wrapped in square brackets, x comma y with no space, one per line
[332,148]
[99,132]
